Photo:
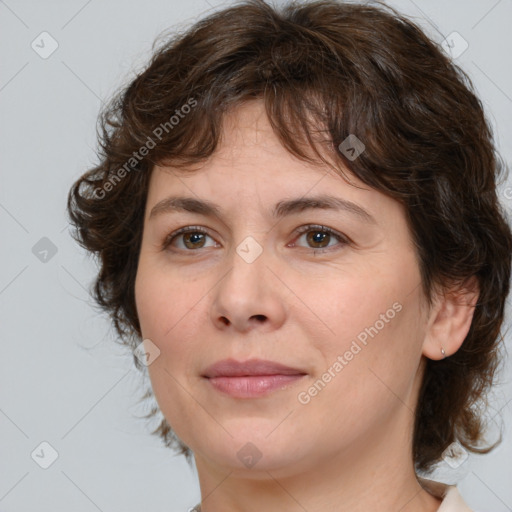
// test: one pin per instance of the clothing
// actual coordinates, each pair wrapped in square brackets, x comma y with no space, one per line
[452,500]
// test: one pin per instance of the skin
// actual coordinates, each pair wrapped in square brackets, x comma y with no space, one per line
[349,447]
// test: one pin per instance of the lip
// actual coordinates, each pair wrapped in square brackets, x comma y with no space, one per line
[252,378]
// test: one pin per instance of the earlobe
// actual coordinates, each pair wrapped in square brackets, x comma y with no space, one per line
[450,319]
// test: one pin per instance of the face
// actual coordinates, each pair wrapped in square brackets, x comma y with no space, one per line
[331,293]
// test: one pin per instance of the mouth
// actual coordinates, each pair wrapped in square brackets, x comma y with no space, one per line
[252,378]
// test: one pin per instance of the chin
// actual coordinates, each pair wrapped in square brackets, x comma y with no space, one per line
[252,450]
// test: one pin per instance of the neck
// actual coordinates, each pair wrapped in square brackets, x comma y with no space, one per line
[370,475]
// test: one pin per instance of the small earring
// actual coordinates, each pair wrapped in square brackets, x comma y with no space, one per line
[443,352]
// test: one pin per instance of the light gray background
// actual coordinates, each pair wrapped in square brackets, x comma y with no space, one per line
[62,377]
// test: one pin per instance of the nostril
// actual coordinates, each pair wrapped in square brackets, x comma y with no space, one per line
[260,318]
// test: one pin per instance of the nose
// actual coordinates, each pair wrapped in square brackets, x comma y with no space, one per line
[249,296]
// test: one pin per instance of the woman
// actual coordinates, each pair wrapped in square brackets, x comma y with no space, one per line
[296,218]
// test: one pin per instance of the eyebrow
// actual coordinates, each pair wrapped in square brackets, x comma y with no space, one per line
[281,209]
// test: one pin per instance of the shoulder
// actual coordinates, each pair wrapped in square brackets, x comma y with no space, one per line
[452,500]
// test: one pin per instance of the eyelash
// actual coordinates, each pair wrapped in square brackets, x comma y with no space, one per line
[299,232]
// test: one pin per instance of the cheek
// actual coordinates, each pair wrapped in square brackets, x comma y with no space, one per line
[374,357]
[172,315]
[356,306]
[163,300]
[375,327]
[168,314]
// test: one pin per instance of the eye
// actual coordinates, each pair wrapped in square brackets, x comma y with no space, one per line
[193,238]
[319,237]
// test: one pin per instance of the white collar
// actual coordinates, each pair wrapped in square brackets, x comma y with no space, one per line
[452,500]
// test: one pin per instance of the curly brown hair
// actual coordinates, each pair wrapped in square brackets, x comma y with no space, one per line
[325,70]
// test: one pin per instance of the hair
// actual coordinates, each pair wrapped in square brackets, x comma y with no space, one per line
[324,70]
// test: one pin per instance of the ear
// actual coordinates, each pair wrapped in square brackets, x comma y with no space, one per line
[450,318]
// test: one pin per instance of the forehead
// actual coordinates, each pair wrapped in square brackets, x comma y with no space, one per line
[251,169]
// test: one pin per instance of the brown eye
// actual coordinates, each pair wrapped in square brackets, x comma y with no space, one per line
[193,240]
[319,238]
[188,239]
